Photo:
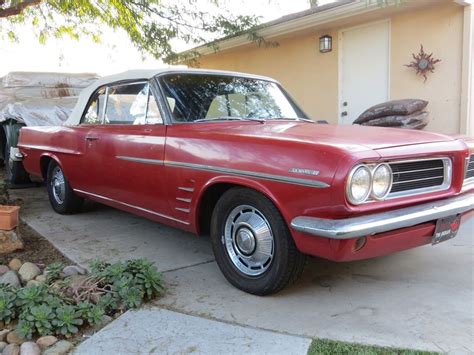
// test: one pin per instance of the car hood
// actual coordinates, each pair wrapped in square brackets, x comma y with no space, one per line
[345,137]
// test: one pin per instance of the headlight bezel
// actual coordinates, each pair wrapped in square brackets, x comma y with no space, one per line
[349,195]
[390,182]
[370,196]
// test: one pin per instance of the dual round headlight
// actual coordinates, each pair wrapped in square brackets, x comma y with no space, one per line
[369,181]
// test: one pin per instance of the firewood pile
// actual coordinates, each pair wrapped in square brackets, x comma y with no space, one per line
[407,113]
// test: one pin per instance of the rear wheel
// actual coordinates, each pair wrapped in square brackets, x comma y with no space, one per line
[252,244]
[61,196]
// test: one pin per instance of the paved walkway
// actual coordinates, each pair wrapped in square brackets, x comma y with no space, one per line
[421,298]
[151,331]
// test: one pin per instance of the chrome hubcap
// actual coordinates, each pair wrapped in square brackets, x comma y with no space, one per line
[248,240]
[245,241]
[58,185]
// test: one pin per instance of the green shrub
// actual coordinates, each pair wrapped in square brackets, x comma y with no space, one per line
[28,297]
[40,318]
[131,282]
[92,313]
[7,304]
[146,276]
[59,308]
[25,329]
[67,319]
[53,272]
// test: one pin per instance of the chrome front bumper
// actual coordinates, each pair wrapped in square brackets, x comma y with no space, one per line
[385,221]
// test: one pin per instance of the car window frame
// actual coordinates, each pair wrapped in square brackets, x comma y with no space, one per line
[169,113]
[127,83]
[151,91]
[89,102]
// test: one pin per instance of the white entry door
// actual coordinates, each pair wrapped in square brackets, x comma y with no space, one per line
[364,64]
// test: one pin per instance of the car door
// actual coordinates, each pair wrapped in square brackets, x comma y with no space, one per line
[127,149]
[85,165]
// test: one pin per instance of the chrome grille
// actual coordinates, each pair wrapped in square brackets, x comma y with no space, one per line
[420,176]
[470,168]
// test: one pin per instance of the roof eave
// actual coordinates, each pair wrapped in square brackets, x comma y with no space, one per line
[340,12]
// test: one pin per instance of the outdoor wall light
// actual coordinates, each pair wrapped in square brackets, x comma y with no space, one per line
[325,44]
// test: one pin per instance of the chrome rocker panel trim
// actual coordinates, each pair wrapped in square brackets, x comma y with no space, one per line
[385,221]
[131,206]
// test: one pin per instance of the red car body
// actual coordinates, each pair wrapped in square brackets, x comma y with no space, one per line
[190,164]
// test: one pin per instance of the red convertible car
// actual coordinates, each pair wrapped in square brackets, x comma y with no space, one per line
[232,155]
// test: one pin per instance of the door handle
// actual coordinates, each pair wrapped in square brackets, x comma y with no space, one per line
[344,113]
[92,138]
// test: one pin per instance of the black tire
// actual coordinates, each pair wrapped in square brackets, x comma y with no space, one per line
[65,201]
[286,264]
[15,173]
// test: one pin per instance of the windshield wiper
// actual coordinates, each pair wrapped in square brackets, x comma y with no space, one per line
[230,118]
[297,119]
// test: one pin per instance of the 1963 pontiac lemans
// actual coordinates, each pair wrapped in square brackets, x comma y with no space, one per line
[232,155]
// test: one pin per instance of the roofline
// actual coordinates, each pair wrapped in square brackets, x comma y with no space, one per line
[280,27]
[147,74]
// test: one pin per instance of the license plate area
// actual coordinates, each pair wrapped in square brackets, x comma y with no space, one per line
[446,229]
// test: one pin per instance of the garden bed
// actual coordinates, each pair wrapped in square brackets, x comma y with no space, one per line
[48,304]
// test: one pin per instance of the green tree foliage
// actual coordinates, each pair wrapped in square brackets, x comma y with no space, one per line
[152,25]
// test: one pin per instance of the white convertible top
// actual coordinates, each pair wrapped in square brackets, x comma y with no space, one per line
[147,74]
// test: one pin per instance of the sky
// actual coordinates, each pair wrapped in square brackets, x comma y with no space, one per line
[115,53]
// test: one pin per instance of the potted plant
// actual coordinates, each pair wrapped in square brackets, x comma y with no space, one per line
[8,217]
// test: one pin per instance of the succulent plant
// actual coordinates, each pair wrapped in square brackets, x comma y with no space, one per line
[67,320]
[7,304]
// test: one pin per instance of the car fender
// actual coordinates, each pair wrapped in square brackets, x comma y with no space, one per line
[51,156]
[240,181]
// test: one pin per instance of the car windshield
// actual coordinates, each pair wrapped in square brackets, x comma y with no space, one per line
[204,97]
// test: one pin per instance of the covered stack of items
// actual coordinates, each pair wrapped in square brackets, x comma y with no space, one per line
[407,113]
[38,99]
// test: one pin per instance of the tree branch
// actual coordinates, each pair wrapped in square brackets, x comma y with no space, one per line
[18,8]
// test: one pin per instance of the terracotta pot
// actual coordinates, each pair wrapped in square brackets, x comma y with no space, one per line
[9,217]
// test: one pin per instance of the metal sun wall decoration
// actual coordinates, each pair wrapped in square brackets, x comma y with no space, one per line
[423,63]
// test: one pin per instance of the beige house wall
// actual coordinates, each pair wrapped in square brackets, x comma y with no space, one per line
[312,77]
[440,30]
[309,76]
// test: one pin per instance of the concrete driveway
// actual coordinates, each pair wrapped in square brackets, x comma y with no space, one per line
[422,298]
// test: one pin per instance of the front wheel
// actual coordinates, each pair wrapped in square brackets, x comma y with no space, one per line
[61,196]
[252,244]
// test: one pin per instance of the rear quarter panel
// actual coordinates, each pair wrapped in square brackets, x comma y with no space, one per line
[64,144]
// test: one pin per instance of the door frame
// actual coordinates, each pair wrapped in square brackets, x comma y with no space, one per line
[339,63]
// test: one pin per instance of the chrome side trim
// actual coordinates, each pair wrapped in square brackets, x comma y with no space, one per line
[140,160]
[185,210]
[182,199]
[49,149]
[187,189]
[271,177]
[132,206]
[385,221]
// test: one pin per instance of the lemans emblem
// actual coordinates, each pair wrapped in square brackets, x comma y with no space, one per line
[304,171]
